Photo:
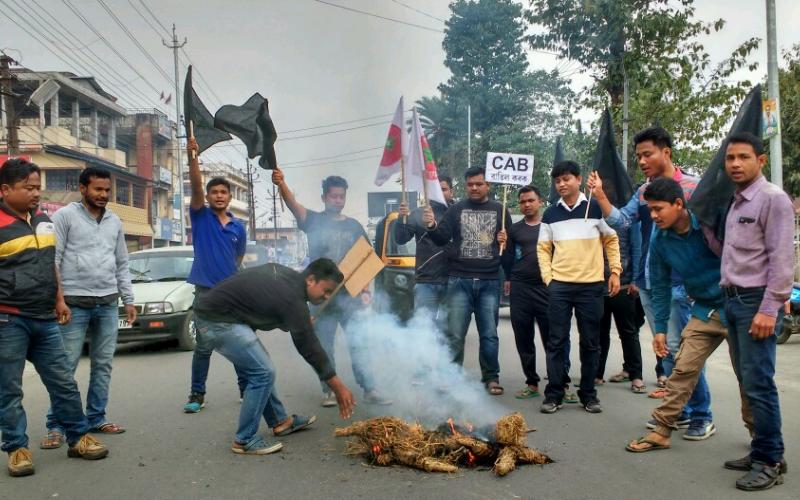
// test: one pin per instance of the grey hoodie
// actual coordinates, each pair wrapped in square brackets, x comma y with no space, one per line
[92,258]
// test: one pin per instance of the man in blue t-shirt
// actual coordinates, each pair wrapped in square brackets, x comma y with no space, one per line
[219,242]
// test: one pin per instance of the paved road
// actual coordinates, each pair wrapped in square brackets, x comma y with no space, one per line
[167,454]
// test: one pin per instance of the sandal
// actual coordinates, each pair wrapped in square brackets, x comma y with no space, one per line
[527,393]
[639,389]
[299,422]
[620,377]
[659,393]
[662,381]
[494,388]
[107,428]
[653,446]
[53,440]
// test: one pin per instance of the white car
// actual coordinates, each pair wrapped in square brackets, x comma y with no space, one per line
[163,298]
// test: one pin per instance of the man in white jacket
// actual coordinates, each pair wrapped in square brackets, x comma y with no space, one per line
[92,259]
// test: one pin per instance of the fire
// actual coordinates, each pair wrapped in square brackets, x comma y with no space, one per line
[471,458]
[453,426]
[376,449]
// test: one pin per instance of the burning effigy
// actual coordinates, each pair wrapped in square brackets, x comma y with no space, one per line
[390,440]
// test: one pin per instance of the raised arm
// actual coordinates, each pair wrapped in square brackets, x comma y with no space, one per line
[195,178]
[619,219]
[298,210]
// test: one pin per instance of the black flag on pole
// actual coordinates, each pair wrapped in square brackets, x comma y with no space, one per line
[195,111]
[616,182]
[714,192]
[251,123]
[558,157]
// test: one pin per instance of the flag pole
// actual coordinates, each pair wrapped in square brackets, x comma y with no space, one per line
[191,136]
[588,202]
[404,195]
[503,215]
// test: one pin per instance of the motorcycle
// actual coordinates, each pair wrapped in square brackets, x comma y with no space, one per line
[791,318]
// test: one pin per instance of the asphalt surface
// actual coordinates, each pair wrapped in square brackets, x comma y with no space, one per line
[168,454]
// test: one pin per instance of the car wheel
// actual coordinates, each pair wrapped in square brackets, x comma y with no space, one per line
[186,336]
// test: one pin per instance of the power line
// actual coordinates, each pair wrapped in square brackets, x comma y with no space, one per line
[155,17]
[333,131]
[417,10]
[333,156]
[426,28]
[337,123]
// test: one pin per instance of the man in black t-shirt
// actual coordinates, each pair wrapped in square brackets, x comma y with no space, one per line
[331,235]
[265,298]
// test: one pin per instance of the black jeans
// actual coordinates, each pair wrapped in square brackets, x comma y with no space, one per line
[587,301]
[529,304]
[623,308]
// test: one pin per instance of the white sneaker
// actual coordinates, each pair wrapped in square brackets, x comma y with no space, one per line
[329,401]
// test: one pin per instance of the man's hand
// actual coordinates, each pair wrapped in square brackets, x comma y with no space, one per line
[762,326]
[63,312]
[130,313]
[633,289]
[403,210]
[192,148]
[613,285]
[344,398]
[595,185]
[507,288]
[277,176]
[428,218]
[660,345]
[502,237]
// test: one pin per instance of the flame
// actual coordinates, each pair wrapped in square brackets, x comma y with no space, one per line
[471,458]
[452,426]
[376,449]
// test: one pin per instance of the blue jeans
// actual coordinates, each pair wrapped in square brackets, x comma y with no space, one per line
[430,297]
[339,313]
[101,322]
[699,406]
[201,357]
[587,301]
[40,342]
[466,296]
[239,344]
[754,363]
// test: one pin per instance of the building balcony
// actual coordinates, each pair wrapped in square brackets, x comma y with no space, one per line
[59,136]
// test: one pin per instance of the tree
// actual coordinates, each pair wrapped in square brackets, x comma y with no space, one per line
[654,43]
[789,82]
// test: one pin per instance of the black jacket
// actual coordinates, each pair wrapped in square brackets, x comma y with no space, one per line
[431,258]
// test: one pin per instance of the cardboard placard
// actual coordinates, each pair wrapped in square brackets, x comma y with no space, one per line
[359,266]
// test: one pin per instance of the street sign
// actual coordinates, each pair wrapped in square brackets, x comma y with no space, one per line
[508,168]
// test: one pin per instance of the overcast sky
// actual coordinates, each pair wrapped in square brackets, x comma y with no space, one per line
[317,65]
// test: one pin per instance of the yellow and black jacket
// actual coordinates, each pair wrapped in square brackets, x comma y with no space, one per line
[27,265]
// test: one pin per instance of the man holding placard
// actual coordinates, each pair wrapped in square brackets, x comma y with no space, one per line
[476,227]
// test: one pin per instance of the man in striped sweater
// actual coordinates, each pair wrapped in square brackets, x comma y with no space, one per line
[571,243]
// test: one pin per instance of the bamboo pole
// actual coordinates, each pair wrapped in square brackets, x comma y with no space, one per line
[503,216]
[191,136]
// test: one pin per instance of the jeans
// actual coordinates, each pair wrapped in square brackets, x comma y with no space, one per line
[754,363]
[430,297]
[40,342]
[623,308]
[466,296]
[529,305]
[101,322]
[201,357]
[239,344]
[587,301]
[699,406]
[339,313]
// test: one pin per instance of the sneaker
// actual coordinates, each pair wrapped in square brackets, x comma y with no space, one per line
[593,406]
[571,397]
[329,401]
[257,446]
[196,403]
[88,448]
[20,463]
[761,477]
[700,430]
[550,407]
[682,423]
[746,463]
[375,398]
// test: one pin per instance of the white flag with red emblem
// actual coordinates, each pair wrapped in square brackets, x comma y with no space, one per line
[393,150]
[421,175]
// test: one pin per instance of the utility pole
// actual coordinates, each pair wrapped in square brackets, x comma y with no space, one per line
[8,98]
[775,146]
[252,200]
[175,46]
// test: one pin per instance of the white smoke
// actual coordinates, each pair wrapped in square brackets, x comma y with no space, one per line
[411,365]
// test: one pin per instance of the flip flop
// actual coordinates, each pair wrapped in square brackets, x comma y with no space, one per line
[659,393]
[639,389]
[526,393]
[107,428]
[662,381]
[619,377]
[53,440]
[643,440]
[299,422]
[494,388]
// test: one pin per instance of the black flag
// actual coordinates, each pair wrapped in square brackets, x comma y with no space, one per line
[558,157]
[196,113]
[616,182]
[714,192]
[251,123]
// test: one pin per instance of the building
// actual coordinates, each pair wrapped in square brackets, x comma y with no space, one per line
[240,204]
